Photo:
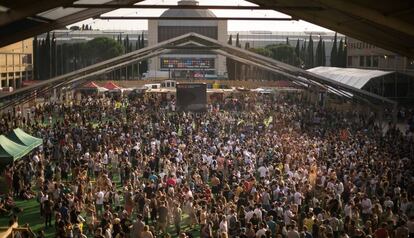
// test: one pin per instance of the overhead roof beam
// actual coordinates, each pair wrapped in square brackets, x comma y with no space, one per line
[56,24]
[29,10]
[350,30]
[197,18]
[400,12]
[369,14]
[214,7]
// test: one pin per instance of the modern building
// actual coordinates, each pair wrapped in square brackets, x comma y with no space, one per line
[366,56]
[16,64]
[187,63]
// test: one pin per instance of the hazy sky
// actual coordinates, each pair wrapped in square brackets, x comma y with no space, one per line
[232,25]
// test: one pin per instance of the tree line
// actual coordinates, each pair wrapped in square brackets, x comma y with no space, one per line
[302,55]
[52,59]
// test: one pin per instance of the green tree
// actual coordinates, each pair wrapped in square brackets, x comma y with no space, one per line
[297,48]
[323,54]
[238,41]
[318,54]
[262,51]
[334,52]
[247,45]
[230,64]
[345,54]
[102,48]
[53,56]
[303,54]
[284,53]
[47,57]
[310,62]
[340,54]
[35,58]
[145,62]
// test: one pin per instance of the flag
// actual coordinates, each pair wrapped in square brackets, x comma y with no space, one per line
[268,121]
[344,134]
[180,131]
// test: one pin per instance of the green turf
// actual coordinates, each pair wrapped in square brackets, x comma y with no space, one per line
[30,215]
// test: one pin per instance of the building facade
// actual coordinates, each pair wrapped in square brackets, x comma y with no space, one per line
[16,64]
[366,56]
[187,63]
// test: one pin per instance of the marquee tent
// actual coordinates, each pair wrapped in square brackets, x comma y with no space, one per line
[22,138]
[11,151]
[92,86]
[111,86]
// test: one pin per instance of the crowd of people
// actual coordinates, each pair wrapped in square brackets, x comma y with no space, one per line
[255,166]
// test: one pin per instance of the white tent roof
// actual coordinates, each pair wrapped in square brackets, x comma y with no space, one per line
[350,76]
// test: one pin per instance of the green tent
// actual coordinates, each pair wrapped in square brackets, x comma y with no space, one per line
[11,151]
[22,138]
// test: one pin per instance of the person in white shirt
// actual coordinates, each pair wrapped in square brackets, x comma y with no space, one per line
[388,203]
[223,225]
[99,201]
[366,207]
[262,231]
[298,198]
[258,212]
[262,171]
[288,216]
[249,215]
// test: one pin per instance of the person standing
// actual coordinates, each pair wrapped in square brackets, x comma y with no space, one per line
[137,227]
[177,213]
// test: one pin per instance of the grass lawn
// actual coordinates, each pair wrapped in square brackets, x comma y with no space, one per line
[30,215]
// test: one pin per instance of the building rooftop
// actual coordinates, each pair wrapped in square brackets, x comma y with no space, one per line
[188,12]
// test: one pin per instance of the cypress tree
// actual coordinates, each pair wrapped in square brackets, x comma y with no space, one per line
[137,43]
[310,53]
[238,41]
[287,41]
[247,46]
[47,58]
[35,58]
[53,57]
[297,49]
[318,54]
[340,54]
[323,54]
[334,53]
[345,54]
[40,62]
[145,62]
[58,60]
[303,53]
[229,62]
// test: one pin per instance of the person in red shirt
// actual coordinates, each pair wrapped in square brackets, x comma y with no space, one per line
[382,232]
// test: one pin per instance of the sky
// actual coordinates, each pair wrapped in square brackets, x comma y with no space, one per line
[232,25]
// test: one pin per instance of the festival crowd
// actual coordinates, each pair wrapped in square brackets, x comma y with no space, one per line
[255,166]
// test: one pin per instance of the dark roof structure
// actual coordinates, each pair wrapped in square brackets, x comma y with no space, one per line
[386,24]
